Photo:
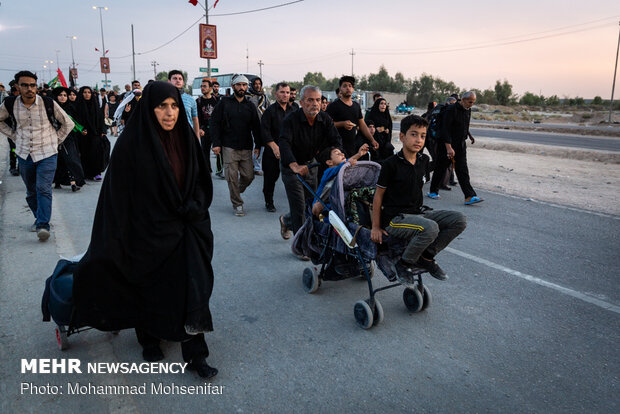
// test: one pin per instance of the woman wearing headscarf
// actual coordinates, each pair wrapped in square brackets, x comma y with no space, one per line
[69,170]
[148,265]
[111,109]
[91,117]
[380,115]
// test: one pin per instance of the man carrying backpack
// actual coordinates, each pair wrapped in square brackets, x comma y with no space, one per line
[39,125]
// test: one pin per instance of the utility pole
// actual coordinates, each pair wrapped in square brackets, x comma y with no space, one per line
[352,53]
[613,85]
[102,41]
[260,65]
[72,79]
[133,55]
[207,21]
[154,64]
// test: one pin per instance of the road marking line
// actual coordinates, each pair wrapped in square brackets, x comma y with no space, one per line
[64,243]
[578,295]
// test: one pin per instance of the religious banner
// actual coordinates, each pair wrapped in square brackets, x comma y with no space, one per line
[105,64]
[208,41]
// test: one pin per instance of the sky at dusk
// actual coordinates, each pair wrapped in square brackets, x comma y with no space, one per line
[567,48]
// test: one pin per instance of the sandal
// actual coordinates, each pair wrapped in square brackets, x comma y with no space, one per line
[434,196]
[473,200]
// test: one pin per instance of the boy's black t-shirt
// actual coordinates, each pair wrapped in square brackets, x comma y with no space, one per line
[339,111]
[403,186]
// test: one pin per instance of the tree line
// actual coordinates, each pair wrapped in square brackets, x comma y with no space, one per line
[428,88]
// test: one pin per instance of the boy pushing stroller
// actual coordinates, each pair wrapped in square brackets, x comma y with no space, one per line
[398,211]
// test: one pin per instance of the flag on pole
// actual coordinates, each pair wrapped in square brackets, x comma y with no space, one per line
[61,78]
[54,83]
[215,4]
[194,2]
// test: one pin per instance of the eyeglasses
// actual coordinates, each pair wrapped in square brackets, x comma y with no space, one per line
[28,85]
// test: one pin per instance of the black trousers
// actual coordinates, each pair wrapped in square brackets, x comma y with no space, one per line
[12,155]
[460,168]
[271,171]
[205,143]
[297,195]
[196,347]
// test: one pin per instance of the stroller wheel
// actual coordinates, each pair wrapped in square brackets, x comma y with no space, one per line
[378,313]
[310,280]
[427,298]
[413,299]
[61,338]
[363,314]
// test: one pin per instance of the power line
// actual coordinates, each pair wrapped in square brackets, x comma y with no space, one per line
[483,45]
[200,19]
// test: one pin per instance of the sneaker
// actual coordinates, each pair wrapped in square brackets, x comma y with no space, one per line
[33,228]
[98,177]
[43,234]
[239,211]
[432,267]
[403,272]
[434,196]
[284,231]
[270,207]
[14,172]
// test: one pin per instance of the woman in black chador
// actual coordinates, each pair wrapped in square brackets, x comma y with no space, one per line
[380,115]
[148,265]
[69,170]
[90,116]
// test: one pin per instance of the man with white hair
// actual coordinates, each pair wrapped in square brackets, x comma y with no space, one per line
[304,133]
[452,148]
[235,130]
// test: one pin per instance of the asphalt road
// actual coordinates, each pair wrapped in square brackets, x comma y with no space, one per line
[547,138]
[529,320]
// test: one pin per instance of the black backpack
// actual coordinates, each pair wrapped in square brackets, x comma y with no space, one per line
[9,103]
[434,123]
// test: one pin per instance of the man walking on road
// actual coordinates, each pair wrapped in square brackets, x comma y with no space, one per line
[270,126]
[206,104]
[347,116]
[257,96]
[176,78]
[235,130]
[39,126]
[452,147]
[305,133]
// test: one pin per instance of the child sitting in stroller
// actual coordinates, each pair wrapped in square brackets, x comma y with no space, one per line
[398,211]
[334,159]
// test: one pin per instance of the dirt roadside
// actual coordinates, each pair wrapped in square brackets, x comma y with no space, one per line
[582,179]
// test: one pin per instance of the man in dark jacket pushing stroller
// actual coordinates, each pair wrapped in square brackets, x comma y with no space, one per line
[397,207]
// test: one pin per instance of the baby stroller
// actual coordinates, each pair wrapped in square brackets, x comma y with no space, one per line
[340,246]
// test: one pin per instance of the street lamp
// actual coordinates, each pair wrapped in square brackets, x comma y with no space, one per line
[44,67]
[102,41]
[49,70]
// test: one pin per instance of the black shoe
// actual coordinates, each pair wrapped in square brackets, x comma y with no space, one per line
[404,272]
[152,354]
[14,172]
[270,207]
[203,369]
[453,183]
[75,188]
[432,267]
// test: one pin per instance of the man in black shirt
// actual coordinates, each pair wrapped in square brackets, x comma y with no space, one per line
[292,97]
[397,208]
[235,130]
[206,103]
[270,125]
[452,146]
[347,116]
[304,134]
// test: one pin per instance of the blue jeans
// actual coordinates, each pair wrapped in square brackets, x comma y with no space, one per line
[38,177]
